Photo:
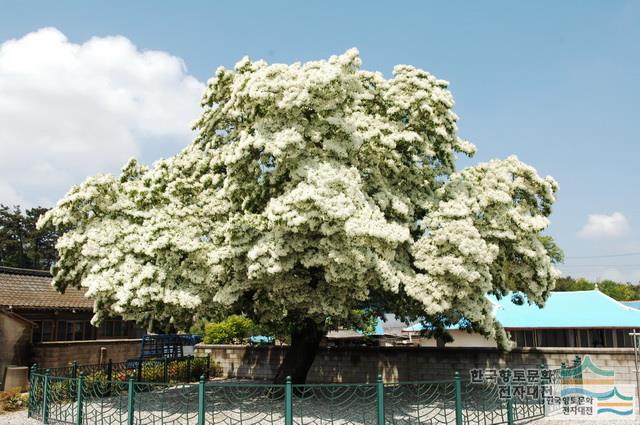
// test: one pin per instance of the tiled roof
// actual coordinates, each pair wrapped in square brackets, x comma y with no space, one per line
[23,288]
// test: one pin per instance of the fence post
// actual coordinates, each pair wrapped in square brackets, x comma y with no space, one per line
[510,404]
[45,396]
[32,392]
[380,400]
[130,401]
[458,392]
[74,375]
[288,402]
[165,371]
[79,389]
[207,376]
[109,376]
[139,370]
[541,392]
[201,401]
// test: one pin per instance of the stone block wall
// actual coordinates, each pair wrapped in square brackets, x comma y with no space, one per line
[57,354]
[363,364]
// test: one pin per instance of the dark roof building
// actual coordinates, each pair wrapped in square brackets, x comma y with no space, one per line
[34,315]
[56,317]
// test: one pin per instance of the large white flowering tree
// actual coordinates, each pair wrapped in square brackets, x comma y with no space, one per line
[311,190]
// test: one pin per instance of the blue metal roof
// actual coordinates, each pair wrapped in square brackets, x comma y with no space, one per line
[572,309]
[380,327]
[633,304]
[419,327]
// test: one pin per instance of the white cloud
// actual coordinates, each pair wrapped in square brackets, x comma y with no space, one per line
[70,110]
[8,195]
[603,226]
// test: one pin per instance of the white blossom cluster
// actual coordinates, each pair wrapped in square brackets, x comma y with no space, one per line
[311,189]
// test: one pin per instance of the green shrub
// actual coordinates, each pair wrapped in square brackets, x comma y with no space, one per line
[198,328]
[97,376]
[153,372]
[233,330]
[60,389]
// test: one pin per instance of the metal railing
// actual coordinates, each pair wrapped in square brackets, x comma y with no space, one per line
[85,397]
[181,369]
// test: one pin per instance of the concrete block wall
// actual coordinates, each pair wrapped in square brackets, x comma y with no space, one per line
[61,353]
[15,336]
[363,364]
[238,361]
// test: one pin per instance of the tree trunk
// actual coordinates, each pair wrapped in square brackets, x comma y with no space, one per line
[305,341]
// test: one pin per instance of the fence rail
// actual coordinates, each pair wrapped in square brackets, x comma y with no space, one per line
[85,397]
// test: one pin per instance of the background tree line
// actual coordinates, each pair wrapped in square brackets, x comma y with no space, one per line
[21,244]
[616,290]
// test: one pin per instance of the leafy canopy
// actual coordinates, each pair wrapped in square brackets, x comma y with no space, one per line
[311,190]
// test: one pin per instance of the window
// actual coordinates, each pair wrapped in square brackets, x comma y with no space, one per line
[73,330]
[585,340]
[118,328]
[77,330]
[43,331]
[523,338]
[115,328]
[61,331]
[553,338]
[597,338]
[623,338]
[608,337]
[89,331]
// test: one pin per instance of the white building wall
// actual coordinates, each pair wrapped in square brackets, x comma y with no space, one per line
[460,339]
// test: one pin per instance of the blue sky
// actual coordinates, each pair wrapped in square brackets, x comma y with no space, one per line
[555,83]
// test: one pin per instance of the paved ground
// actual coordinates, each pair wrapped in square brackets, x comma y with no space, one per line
[600,422]
[20,418]
[17,418]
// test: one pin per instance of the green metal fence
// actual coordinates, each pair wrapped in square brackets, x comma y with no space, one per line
[85,396]
[181,369]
